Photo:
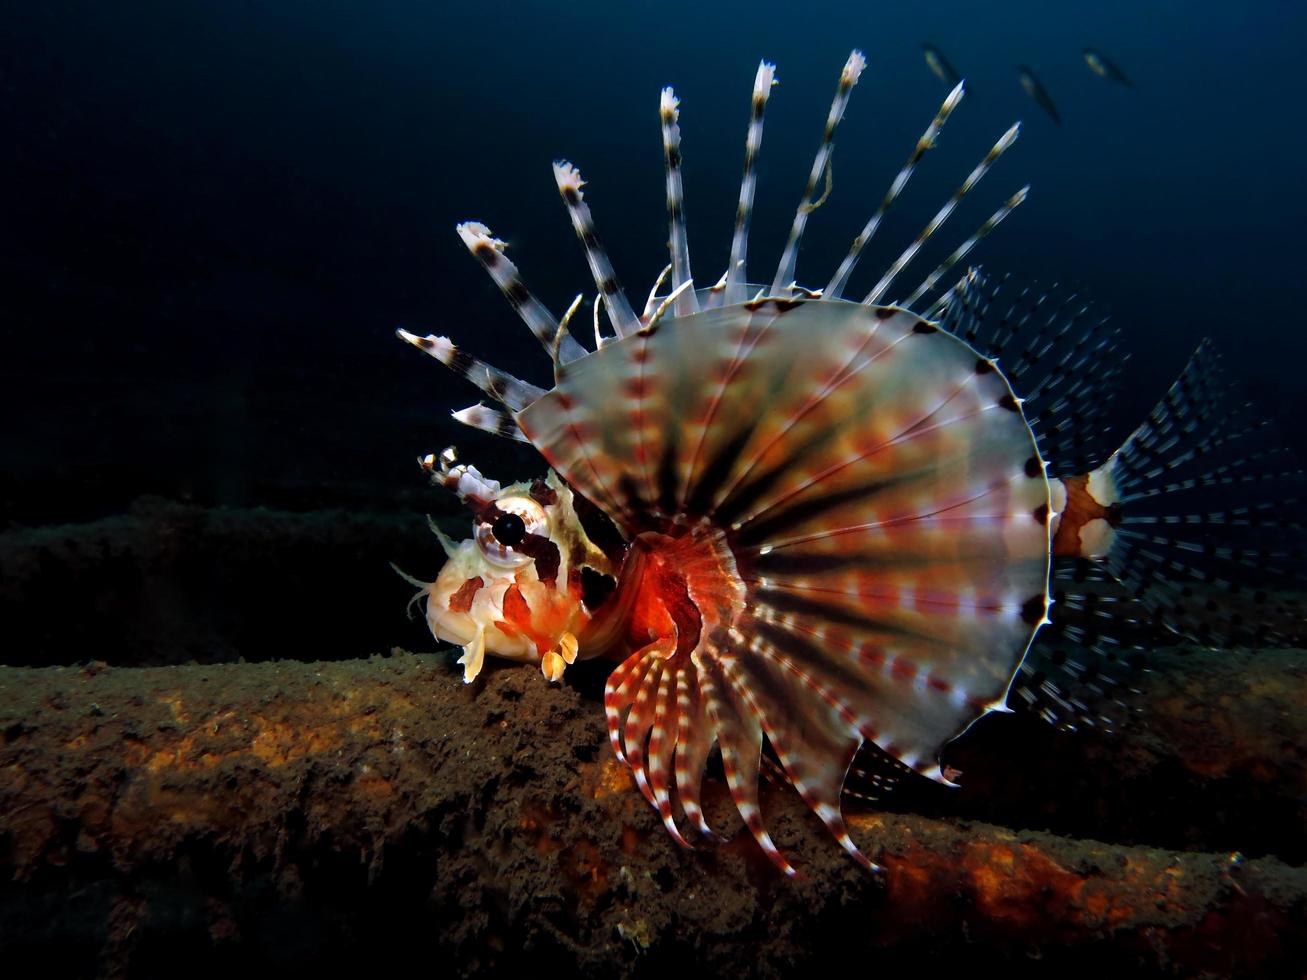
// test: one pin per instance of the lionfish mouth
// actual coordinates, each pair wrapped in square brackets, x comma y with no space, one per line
[453,627]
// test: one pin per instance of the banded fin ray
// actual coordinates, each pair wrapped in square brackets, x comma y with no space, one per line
[513,392]
[487,419]
[490,252]
[736,272]
[569,181]
[835,288]
[849,75]
[978,172]
[669,112]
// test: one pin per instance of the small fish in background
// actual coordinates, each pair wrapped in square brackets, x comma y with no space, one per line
[1036,91]
[944,71]
[1103,67]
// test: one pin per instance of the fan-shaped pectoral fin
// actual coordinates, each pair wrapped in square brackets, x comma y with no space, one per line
[739,732]
[815,736]
[643,705]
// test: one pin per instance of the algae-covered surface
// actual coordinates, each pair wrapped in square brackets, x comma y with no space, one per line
[307,814]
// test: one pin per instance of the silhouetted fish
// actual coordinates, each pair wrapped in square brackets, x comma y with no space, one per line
[1037,92]
[1100,65]
[944,71]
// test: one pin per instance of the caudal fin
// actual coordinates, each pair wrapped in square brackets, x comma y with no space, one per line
[1198,515]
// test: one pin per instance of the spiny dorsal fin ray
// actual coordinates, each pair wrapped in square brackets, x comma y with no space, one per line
[489,251]
[927,142]
[736,271]
[486,419]
[652,298]
[996,151]
[848,78]
[993,221]
[669,113]
[569,182]
[514,393]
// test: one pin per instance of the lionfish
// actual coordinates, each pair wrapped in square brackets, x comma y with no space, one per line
[813,530]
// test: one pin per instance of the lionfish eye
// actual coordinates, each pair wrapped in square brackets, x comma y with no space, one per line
[509,529]
[510,522]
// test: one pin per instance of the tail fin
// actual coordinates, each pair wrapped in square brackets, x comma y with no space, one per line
[1198,516]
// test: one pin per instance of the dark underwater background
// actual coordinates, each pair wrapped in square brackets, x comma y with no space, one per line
[214,218]
[216,215]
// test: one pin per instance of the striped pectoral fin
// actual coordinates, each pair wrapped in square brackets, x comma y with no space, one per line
[647,704]
[624,686]
[735,717]
[694,742]
[815,736]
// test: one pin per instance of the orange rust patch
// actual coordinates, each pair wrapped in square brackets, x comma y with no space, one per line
[174,702]
[374,785]
[632,840]
[280,743]
[864,819]
[608,778]
[219,739]
[1021,885]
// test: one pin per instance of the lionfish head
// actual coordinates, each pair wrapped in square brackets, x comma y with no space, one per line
[518,587]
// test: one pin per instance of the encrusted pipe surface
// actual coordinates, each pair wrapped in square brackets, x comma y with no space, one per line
[311,811]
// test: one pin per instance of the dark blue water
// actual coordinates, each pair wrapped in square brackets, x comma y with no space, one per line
[215,217]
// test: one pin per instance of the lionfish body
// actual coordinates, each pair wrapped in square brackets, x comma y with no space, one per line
[803,526]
